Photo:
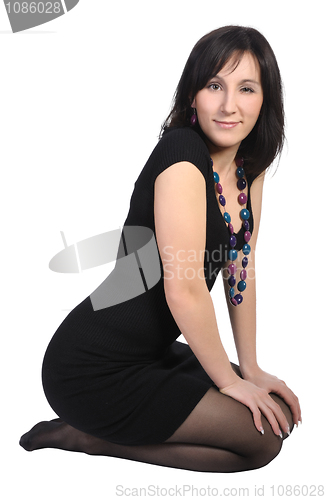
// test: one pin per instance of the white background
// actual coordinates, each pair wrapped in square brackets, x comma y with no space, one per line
[82,101]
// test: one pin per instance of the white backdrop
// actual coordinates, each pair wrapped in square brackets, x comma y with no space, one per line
[82,101]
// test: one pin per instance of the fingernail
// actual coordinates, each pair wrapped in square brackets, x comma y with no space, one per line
[280,434]
[288,431]
[262,431]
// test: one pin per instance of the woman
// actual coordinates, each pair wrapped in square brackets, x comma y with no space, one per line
[114,372]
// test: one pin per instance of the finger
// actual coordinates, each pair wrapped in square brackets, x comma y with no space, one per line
[292,401]
[273,412]
[264,404]
[275,415]
[300,415]
[295,408]
[270,416]
[281,417]
[296,411]
[257,419]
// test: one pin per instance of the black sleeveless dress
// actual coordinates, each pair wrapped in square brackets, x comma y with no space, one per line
[115,370]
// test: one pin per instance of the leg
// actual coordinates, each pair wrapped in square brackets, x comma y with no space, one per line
[218,436]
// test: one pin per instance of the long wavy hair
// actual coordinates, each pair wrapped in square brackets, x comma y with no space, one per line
[210,54]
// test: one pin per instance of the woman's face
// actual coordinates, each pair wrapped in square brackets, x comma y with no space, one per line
[229,105]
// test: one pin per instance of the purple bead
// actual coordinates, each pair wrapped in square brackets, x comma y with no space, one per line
[242,198]
[193,119]
[219,188]
[222,200]
[243,275]
[241,184]
[233,240]
[238,298]
[231,228]
[232,269]
[231,280]
[234,302]
[239,162]
[245,262]
[246,225]
[247,236]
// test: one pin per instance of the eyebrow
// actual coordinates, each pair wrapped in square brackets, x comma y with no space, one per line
[245,80]
[248,80]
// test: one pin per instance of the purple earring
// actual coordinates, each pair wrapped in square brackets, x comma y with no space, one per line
[193,119]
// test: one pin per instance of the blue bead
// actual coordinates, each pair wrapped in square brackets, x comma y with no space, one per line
[246,249]
[245,262]
[233,254]
[242,286]
[232,293]
[233,241]
[216,177]
[227,217]
[231,280]
[239,298]
[240,172]
[244,214]
[222,200]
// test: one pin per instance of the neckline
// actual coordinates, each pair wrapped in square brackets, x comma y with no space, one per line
[247,206]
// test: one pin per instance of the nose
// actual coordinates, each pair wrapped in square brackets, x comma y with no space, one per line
[229,103]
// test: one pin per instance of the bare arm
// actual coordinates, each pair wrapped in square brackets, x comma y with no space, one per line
[243,320]
[243,317]
[180,222]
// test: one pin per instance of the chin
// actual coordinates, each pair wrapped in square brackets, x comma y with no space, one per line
[228,140]
[224,144]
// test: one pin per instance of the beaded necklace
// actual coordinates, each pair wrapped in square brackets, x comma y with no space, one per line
[236,299]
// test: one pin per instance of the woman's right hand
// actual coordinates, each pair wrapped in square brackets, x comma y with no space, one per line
[259,402]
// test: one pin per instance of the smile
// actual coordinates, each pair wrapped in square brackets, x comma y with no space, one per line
[226,124]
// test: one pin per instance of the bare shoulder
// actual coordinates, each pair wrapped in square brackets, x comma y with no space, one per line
[178,189]
[180,216]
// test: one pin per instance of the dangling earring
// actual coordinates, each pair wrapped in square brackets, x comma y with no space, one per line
[193,119]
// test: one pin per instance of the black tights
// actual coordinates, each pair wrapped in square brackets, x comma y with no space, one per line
[218,436]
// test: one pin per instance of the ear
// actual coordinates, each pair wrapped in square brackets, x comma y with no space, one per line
[193,104]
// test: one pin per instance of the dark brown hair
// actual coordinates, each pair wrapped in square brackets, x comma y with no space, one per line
[210,54]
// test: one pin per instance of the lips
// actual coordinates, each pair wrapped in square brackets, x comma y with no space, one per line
[226,125]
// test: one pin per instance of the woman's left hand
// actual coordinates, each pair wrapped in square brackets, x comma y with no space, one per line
[272,384]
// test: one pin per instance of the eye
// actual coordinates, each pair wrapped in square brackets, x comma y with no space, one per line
[214,86]
[247,90]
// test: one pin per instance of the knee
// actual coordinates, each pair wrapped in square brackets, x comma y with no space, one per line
[267,449]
